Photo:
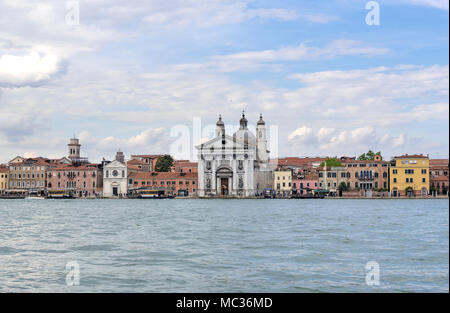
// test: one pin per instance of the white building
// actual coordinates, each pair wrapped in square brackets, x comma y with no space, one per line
[115,179]
[235,165]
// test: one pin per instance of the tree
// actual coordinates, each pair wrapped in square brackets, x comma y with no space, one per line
[369,156]
[164,163]
[331,162]
[343,187]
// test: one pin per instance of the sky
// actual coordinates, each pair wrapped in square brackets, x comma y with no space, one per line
[128,74]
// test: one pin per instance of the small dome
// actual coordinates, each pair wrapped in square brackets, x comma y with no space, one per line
[219,122]
[243,121]
[261,121]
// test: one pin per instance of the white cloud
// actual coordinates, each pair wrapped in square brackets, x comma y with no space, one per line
[302,134]
[253,60]
[32,69]
[333,142]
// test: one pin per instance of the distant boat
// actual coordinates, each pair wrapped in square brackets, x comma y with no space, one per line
[34,198]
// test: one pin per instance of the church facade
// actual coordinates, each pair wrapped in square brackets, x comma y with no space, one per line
[234,166]
[115,179]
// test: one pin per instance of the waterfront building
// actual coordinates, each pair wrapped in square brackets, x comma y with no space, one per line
[409,175]
[4,178]
[439,178]
[28,174]
[282,182]
[331,177]
[115,182]
[173,183]
[367,175]
[80,180]
[236,165]
[305,183]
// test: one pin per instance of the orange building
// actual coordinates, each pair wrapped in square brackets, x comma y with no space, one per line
[185,166]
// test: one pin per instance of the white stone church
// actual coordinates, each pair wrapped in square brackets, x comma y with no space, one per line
[234,166]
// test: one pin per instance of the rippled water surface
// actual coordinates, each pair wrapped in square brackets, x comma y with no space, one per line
[224,245]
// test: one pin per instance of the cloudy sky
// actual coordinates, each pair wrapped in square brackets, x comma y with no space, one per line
[131,71]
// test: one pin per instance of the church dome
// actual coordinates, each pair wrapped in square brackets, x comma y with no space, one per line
[245,136]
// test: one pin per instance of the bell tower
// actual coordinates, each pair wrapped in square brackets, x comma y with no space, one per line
[74,148]
[261,140]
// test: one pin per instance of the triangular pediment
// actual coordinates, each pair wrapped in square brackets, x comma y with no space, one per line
[115,163]
[230,143]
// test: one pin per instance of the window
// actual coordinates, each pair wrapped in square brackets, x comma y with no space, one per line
[395,180]
[424,171]
[424,180]
[394,171]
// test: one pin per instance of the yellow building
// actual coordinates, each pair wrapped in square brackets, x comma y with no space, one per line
[282,182]
[4,179]
[409,176]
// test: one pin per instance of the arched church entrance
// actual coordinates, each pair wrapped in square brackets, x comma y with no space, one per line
[224,176]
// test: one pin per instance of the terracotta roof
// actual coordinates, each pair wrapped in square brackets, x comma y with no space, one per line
[3,169]
[438,162]
[136,162]
[311,177]
[161,175]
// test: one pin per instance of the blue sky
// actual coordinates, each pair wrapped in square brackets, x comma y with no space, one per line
[131,71]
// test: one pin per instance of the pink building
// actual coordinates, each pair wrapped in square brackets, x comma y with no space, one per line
[81,181]
[305,184]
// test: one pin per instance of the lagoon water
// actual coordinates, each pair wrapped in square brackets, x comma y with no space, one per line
[224,245]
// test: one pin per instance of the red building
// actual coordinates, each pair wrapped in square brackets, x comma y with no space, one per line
[82,181]
[439,178]
[305,184]
[181,184]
